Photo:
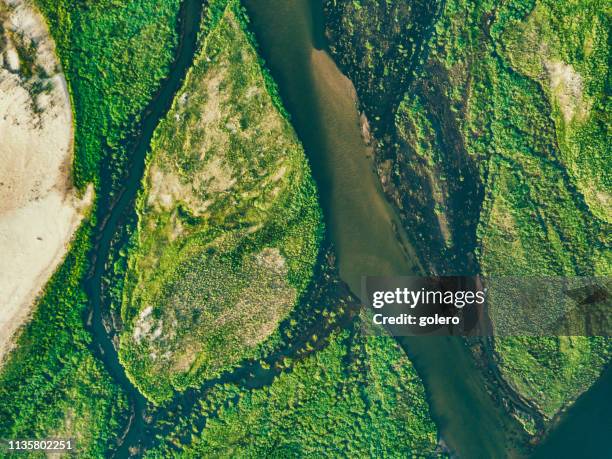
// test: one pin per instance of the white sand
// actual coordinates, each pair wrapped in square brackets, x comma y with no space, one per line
[39,209]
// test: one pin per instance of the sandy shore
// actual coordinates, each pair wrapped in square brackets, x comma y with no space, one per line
[39,208]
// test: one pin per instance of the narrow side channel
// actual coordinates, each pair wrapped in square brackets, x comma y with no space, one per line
[111,215]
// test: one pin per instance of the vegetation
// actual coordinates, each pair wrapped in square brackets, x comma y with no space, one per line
[491,123]
[228,229]
[536,218]
[552,371]
[358,396]
[229,224]
[114,54]
[380,46]
[53,384]
[572,66]
[496,154]
[377,43]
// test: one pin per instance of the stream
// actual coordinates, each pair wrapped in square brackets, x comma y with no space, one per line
[110,215]
[364,228]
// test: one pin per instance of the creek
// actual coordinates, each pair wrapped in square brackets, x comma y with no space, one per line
[363,226]
[112,213]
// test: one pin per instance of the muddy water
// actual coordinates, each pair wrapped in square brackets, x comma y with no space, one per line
[361,223]
[322,103]
[347,170]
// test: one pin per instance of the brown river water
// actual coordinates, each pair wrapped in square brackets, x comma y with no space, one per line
[363,227]
[361,223]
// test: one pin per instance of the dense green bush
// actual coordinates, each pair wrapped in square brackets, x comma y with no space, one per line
[114,54]
[358,396]
[52,384]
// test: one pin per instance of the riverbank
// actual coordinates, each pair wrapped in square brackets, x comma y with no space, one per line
[40,208]
[361,223]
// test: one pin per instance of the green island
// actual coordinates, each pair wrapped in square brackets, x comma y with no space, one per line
[229,225]
[200,311]
[496,154]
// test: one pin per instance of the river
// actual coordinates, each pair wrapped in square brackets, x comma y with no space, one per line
[361,223]
[365,228]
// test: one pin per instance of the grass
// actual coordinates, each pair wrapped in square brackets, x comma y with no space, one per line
[114,55]
[358,396]
[52,385]
[229,223]
[552,371]
[498,156]
[539,217]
